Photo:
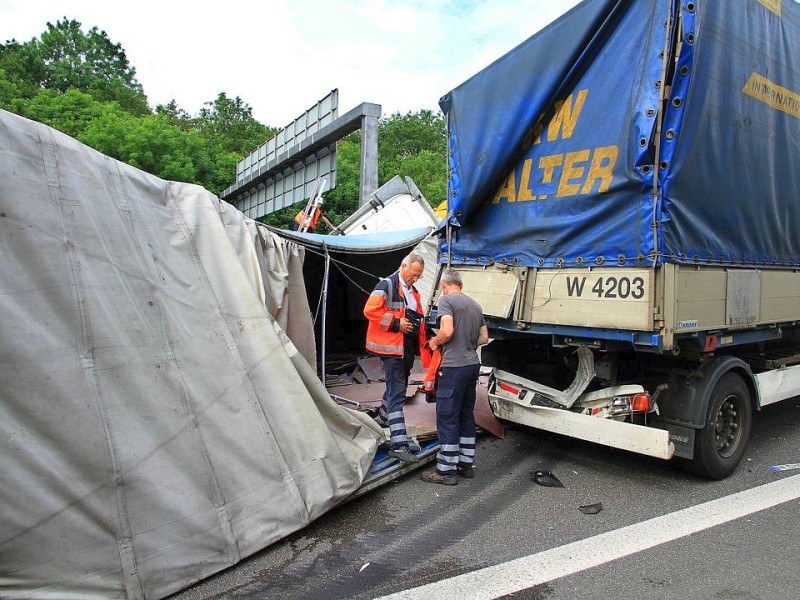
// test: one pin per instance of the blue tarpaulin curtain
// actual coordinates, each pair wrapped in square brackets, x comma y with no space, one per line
[732,186]
[553,147]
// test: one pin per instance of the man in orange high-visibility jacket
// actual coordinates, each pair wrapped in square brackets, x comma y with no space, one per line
[307,219]
[395,330]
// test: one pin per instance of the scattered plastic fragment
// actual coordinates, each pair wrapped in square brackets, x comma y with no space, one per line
[547,479]
[591,509]
[364,566]
[789,467]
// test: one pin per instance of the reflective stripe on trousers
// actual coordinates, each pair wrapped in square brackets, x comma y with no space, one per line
[455,417]
[447,459]
[396,370]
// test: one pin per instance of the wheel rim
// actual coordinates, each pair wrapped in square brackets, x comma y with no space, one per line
[728,429]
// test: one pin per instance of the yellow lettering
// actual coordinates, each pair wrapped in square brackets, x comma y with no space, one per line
[534,135]
[548,165]
[570,172]
[508,190]
[577,172]
[772,94]
[773,5]
[525,181]
[566,117]
[603,161]
[537,132]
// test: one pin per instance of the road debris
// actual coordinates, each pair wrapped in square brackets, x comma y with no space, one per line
[546,479]
[787,467]
[591,509]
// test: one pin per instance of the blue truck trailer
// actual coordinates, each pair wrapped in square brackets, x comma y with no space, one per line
[624,202]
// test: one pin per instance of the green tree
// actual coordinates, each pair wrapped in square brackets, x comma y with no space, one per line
[429,171]
[150,143]
[90,62]
[72,112]
[415,145]
[9,90]
[229,132]
[215,170]
[231,126]
[179,117]
[406,135]
[22,72]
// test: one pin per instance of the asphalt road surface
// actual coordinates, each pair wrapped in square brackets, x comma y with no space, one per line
[661,533]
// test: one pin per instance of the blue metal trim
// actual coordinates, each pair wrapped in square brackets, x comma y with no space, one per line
[647,339]
[726,339]
[642,339]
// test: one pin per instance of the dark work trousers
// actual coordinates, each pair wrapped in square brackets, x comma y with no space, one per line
[455,417]
[396,370]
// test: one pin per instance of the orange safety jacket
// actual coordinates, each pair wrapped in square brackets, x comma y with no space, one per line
[311,220]
[384,309]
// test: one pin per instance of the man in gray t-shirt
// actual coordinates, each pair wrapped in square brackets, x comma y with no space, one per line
[461,330]
[462,349]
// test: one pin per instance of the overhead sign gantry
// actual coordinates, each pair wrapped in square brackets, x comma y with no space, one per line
[283,170]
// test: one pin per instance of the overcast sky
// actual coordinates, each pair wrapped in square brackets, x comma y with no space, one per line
[281,56]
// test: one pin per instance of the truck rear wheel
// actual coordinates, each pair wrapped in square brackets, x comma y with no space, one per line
[720,445]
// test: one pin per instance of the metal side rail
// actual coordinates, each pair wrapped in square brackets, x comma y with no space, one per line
[608,432]
[385,469]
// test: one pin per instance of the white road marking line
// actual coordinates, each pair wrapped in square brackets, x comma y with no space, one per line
[535,569]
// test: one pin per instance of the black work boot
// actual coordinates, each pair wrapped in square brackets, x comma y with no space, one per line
[466,471]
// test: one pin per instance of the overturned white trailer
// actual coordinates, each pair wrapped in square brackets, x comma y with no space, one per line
[157,425]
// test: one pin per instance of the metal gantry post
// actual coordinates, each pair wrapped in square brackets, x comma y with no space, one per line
[369,157]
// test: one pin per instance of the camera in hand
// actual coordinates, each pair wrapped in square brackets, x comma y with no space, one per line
[415,318]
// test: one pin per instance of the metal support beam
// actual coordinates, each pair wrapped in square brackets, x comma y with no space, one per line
[616,434]
[365,115]
[369,158]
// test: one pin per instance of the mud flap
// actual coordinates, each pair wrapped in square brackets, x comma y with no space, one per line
[682,437]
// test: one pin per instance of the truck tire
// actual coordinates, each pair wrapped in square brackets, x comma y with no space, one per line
[720,445]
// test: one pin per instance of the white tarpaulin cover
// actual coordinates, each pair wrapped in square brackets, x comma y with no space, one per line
[156,424]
